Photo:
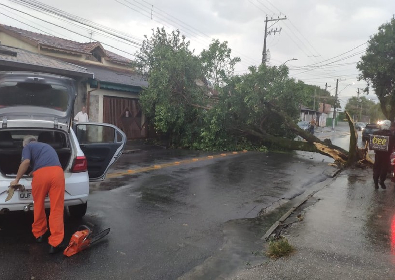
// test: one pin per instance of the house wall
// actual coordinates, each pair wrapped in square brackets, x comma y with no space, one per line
[82,58]
[323,119]
[11,41]
[80,100]
[94,108]
[8,40]
[96,97]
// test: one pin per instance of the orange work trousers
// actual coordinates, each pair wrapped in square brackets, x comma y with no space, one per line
[49,180]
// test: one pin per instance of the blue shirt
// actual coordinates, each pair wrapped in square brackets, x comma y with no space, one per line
[40,155]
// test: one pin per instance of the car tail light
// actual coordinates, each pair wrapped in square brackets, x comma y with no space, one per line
[80,165]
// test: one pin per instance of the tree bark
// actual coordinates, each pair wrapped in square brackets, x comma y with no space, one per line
[314,144]
[339,157]
[353,148]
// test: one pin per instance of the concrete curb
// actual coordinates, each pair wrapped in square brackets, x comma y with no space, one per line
[330,172]
[131,151]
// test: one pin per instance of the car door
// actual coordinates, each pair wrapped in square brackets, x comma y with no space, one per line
[102,145]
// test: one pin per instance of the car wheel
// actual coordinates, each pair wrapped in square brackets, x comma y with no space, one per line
[78,211]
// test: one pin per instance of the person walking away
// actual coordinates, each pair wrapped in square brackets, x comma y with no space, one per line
[81,117]
[382,158]
[48,178]
[312,125]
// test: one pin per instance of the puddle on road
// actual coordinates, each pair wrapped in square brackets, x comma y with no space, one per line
[243,247]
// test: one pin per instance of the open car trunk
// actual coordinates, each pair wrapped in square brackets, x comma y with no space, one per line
[11,147]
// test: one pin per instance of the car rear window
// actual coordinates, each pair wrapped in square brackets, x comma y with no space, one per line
[51,96]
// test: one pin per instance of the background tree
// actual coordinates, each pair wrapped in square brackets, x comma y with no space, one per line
[314,95]
[364,108]
[173,101]
[258,108]
[217,63]
[375,113]
[242,112]
[377,67]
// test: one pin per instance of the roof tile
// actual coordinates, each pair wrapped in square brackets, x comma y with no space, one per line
[64,44]
[26,57]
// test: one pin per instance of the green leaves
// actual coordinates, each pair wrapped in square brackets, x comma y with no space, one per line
[377,67]
[172,98]
[196,101]
[217,63]
[363,107]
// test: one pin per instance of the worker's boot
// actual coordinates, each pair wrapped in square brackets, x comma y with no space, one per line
[54,250]
[376,184]
[383,186]
[42,238]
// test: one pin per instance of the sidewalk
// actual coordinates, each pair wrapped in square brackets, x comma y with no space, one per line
[347,231]
[138,145]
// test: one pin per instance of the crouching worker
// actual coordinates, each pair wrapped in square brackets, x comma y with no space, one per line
[48,178]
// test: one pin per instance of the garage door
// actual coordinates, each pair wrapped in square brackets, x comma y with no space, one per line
[126,114]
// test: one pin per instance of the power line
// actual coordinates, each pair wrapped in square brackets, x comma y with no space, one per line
[193,31]
[72,23]
[293,35]
[48,9]
[290,21]
[190,30]
[334,76]
[64,28]
[312,69]
[25,23]
[198,32]
[336,56]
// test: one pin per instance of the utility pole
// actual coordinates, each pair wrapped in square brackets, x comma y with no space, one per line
[314,99]
[334,106]
[359,101]
[323,103]
[358,106]
[264,52]
[326,86]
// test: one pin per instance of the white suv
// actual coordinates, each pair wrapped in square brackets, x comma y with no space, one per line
[42,105]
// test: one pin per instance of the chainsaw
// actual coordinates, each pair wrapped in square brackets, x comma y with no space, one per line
[83,239]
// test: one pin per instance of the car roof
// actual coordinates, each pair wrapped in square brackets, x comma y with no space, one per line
[372,125]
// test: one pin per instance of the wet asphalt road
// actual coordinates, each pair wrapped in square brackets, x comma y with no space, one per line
[197,219]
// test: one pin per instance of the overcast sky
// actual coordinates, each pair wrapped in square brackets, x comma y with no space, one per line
[326,37]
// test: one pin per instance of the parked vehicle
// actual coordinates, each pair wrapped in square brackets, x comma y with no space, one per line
[42,105]
[305,125]
[392,167]
[368,130]
[360,126]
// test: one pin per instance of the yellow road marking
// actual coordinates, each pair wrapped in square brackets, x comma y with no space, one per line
[161,166]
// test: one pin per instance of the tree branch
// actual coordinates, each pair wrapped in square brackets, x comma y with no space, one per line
[189,103]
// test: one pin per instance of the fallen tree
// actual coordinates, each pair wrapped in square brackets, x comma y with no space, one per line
[225,111]
[343,158]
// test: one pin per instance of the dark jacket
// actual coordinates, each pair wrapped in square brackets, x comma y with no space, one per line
[391,143]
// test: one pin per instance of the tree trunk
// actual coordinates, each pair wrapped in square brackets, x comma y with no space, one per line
[338,155]
[314,144]
[353,148]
